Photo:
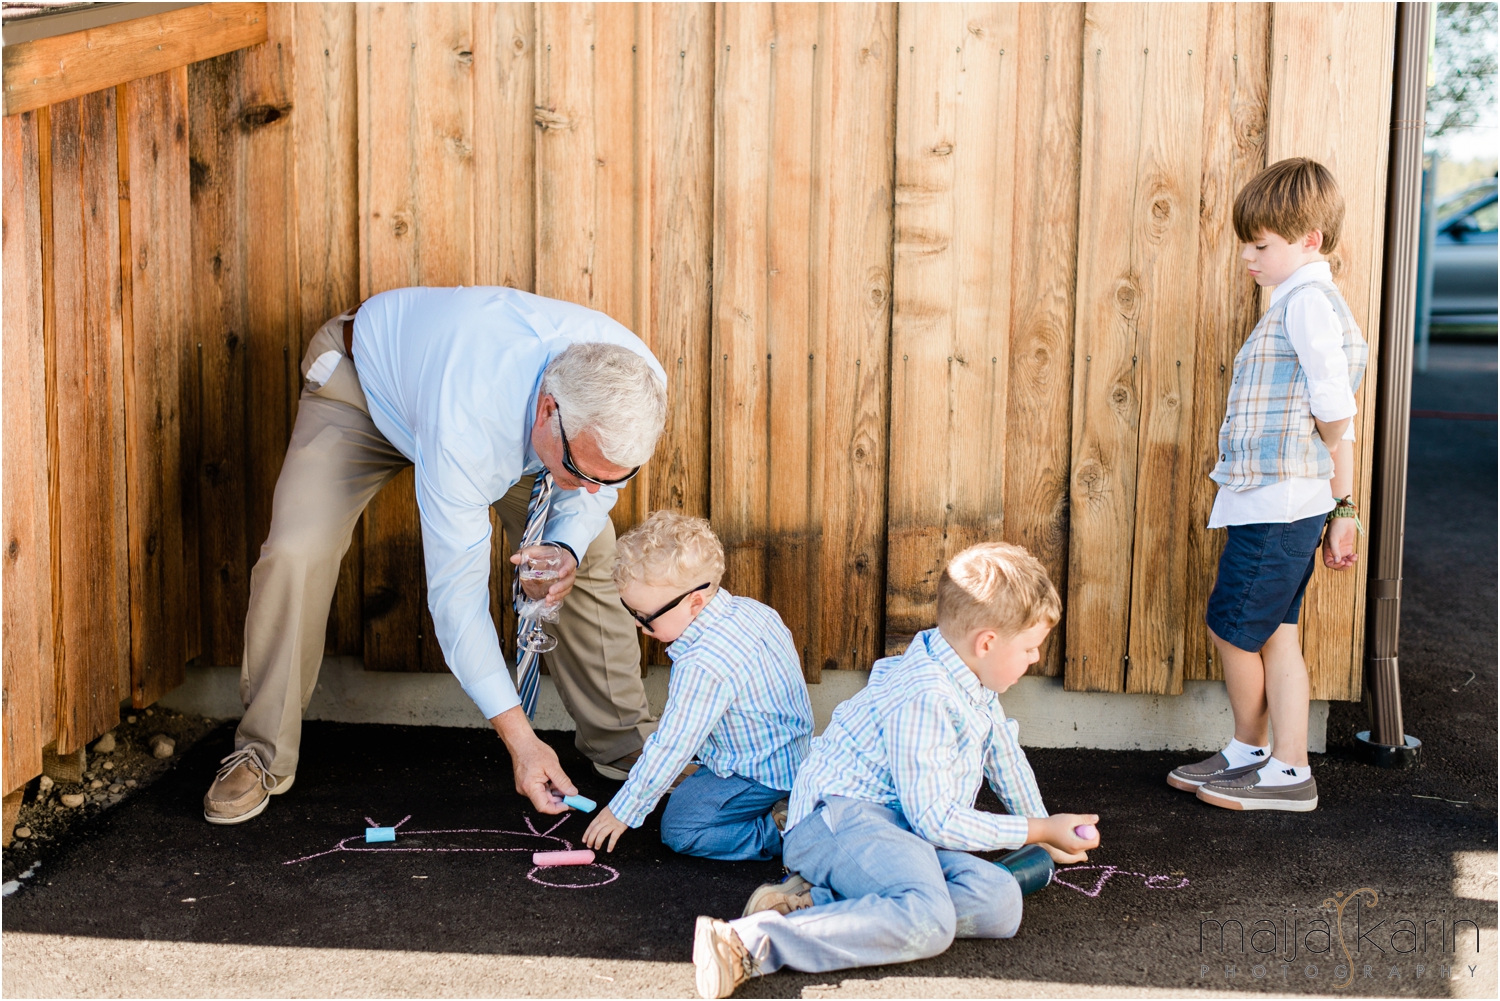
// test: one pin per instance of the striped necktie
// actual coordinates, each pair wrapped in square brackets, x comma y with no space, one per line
[528,664]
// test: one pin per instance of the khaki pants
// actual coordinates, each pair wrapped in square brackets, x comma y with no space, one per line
[336,462]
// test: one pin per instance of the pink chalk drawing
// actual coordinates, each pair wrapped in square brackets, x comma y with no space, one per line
[477,839]
[1107,872]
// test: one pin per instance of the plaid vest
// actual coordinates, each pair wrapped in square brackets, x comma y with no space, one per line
[1268,432]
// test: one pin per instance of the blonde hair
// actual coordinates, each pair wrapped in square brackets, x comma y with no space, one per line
[1291,198]
[672,548]
[998,586]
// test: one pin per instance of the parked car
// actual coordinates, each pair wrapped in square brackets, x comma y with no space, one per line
[1464,258]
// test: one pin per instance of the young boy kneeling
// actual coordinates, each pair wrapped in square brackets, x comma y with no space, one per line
[736,701]
[882,814]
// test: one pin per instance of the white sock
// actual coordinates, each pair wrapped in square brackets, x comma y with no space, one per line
[1279,773]
[1239,753]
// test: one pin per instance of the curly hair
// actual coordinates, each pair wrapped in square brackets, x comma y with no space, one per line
[672,548]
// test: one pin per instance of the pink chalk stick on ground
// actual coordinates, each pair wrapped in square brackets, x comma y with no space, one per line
[582,857]
[1086,831]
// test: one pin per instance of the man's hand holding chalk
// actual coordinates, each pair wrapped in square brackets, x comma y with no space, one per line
[604,828]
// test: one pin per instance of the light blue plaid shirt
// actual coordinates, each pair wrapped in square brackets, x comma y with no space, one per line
[919,738]
[736,702]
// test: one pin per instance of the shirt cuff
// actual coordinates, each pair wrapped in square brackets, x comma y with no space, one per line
[493,694]
[628,808]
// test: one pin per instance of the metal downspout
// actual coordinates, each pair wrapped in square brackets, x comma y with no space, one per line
[1386,743]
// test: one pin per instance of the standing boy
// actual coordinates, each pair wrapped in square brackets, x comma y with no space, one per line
[736,702]
[1288,432]
[882,815]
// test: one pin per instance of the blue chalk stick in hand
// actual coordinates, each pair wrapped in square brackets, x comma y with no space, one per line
[373,834]
[580,803]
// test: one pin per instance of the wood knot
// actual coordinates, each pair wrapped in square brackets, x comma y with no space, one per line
[551,121]
[401,227]
[260,115]
[1127,298]
[1119,396]
[942,149]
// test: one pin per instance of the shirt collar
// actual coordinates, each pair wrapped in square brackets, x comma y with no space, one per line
[717,607]
[941,651]
[1317,271]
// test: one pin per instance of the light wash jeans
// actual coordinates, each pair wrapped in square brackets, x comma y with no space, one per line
[727,819]
[880,893]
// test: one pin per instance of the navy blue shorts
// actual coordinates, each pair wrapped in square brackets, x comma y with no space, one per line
[1262,576]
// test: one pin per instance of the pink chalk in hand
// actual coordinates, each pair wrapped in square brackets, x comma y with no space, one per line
[581,857]
[1086,831]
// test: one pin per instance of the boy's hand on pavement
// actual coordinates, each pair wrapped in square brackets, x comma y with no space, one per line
[605,827]
[1338,544]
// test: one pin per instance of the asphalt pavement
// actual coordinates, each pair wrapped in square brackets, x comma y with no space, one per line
[1181,899]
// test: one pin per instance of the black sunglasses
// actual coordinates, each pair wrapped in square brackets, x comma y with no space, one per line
[646,620]
[568,460]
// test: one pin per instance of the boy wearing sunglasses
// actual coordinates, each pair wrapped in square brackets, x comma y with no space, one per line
[736,703]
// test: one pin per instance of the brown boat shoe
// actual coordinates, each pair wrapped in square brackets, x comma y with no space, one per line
[791,894]
[1214,768]
[242,788]
[1246,793]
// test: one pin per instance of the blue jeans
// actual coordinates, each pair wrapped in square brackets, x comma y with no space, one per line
[727,819]
[880,893]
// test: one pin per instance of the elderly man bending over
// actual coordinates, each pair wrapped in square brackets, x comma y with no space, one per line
[483,390]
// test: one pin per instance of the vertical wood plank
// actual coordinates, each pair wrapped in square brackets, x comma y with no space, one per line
[852,316]
[801,316]
[416,190]
[1234,124]
[1343,53]
[155,213]
[1045,257]
[27,560]
[951,329]
[505,145]
[1133,357]
[219,336]
[90,513]
[326,133]
[592,213]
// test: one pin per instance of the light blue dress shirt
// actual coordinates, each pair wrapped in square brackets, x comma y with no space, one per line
[452,377]
[919,738]
[736,701]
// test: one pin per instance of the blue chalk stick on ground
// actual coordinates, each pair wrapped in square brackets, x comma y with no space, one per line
[580,803]
[373,834]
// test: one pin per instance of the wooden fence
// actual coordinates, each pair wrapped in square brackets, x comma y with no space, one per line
[920,275]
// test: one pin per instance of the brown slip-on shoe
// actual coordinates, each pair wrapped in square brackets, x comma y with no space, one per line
[1214,768]
[791,894]
[1246,793]
[720,957]
[242,788]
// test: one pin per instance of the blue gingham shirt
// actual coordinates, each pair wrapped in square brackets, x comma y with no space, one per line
[920,738]
[736,702]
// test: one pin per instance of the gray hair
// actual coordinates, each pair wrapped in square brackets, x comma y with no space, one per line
[614,394]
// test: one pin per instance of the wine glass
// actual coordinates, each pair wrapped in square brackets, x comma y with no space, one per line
[541,566]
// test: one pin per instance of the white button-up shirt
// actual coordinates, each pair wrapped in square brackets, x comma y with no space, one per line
[919,738]
[1318,338]
[452,377]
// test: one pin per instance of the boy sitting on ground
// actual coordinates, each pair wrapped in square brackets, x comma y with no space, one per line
[1285,471]
[736,701]
[882,816]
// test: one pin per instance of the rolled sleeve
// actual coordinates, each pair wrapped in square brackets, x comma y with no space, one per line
[456,550]
[1318,338]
